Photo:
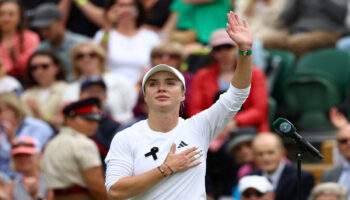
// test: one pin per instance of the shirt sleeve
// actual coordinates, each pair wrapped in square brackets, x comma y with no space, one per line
[213,120]
[119,160]
[87,155]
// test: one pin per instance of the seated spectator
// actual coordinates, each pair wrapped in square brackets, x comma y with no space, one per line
[262,16]
[17,42]
[15,123]
[48,20]
[188,15]
[46,85]
[71,161]
[344,42]
[26,161]
[268,154]
[254,111]
[328,191]
[89,61]
[8,83]
[107,127]
[341,173]
[239,146]
[83,17]
[313,24]
[128,45]
[255,187]
[158,13]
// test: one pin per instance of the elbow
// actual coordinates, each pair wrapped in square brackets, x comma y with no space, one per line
[116,193]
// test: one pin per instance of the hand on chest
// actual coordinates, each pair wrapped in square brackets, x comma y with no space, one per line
[150,154]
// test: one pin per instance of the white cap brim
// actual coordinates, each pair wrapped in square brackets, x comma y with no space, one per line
[162,68]
[260,183]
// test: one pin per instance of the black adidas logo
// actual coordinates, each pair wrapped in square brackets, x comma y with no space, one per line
[182,144]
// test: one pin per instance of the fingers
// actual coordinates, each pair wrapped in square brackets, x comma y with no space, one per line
[194,164]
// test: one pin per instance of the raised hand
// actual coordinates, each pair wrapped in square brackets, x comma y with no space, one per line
[184,160]
[239,31]
[337,118]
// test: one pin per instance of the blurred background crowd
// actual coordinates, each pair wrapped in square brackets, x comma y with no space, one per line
[94,53]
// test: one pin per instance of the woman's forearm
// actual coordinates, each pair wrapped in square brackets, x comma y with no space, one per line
[133,185]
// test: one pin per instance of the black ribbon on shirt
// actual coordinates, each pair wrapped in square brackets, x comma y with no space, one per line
[153,152]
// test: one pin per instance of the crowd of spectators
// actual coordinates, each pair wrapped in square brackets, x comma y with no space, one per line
[57,56]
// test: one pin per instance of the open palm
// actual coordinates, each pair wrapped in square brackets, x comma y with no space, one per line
[239,31]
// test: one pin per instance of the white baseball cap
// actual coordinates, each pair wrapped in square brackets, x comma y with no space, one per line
[163,68]
[259,183]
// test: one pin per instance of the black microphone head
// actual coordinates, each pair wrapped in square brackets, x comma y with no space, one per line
[284,127]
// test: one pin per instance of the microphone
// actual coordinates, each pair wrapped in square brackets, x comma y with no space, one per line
[286,129]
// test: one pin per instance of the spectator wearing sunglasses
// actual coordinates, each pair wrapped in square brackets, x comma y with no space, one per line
[46,85]
[255,188]
[341,173]
[217,76]
[89,60]
[48,20]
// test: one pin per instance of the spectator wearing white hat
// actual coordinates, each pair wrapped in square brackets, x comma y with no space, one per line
[255,187]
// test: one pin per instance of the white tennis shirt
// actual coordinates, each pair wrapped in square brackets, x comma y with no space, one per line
[126,156]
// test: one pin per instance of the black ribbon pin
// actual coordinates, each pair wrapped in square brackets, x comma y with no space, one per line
[153,152]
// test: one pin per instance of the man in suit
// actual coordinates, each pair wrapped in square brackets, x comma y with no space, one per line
[269,153]
[341,173]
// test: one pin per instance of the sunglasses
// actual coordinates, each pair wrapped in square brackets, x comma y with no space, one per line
[223,47]
[343,141]
[80,56]
[36,67]
[248,194]
[170,55]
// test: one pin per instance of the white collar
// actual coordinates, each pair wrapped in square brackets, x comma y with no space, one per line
[275,176]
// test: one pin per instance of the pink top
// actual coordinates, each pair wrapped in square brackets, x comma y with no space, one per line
[17,68]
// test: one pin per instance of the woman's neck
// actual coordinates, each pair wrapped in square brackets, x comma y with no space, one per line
[92,73]
[47,85]
[226,68]
[127,28]
[163,121]
[7,35]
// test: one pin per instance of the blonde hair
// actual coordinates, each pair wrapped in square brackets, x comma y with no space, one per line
[13,102]
[329,189]
[101,53]
[172,46]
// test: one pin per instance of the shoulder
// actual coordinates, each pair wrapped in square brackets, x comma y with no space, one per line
[149,34]
[30,34]
[60,85]
[116,80]
[333,170]
[76,37]
[37,123]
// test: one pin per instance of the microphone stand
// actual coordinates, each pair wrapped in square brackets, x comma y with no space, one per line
[299,152]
